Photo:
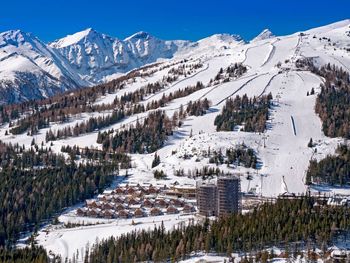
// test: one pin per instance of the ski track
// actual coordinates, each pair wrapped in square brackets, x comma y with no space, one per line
[240,88]
[282,149]
[179,82]
[272,52]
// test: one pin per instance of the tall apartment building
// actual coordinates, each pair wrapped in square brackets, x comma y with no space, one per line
[207,199]
[229,195]
[221,198]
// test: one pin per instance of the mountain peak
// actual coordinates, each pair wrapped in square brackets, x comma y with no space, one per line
[75,38]
[139,35]
[219,39]
[17,33]
[87,31]
[227,37]
[18,37]
[265,34]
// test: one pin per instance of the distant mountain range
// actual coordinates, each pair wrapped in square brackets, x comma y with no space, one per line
[31,69]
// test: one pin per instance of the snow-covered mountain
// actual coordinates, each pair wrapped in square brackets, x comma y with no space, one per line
[31,69]
[282,150]
[265,34]
[95,56]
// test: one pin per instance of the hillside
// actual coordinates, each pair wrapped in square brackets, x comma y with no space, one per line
[169,108]
[31,69]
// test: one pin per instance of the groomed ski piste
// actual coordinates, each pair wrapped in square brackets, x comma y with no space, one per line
[282,150]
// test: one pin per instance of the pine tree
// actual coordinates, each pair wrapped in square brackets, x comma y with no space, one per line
[156,160]
[310,143]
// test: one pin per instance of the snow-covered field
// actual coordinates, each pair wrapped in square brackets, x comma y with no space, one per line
[69,242]
[282,150]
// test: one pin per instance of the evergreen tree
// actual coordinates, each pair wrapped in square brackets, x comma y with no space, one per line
[156,160]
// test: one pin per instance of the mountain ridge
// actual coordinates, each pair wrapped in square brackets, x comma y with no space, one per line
[88,57]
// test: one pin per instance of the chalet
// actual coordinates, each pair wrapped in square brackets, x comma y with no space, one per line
[162,203]
[119,190]
[155,211]
[91,203]
[172,210]
[81,211]
[95,212]
[148,203]
[139,213]
[106,206]
[138,193]
[186,191]
[189,208]
[153,190]
[143,190]
[123,214]
[109,214]
[133,201]
[118,199]
[177,202]
[119,207]
[130,191]
[94,205]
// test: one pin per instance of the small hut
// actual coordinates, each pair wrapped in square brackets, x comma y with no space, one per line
[123,214]
[107,206]
[81,212]
[119,190]
[177,202]
[148,203]
[189,208]
[172,210]
[109,214]
[162,203]
[119,207]
[133,201]
[139,213]
[155,211]
[95,212]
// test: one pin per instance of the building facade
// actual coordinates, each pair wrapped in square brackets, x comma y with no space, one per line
[229,195]
[221,198]
[207,199]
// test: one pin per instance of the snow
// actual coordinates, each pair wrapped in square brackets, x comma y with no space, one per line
[265,34]
[72,39]
[286,155]
[70,241]
[206,258]
[24,56]
[97,57]
[282,150]
[138,35]
[89,57]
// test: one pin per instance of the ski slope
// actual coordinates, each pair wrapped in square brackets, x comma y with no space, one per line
[282,150]
[271,68]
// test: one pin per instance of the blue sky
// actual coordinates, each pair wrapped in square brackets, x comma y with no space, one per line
[177,19]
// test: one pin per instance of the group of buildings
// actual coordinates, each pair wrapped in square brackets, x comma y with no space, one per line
[128,201]
[220,198]
[134,200]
